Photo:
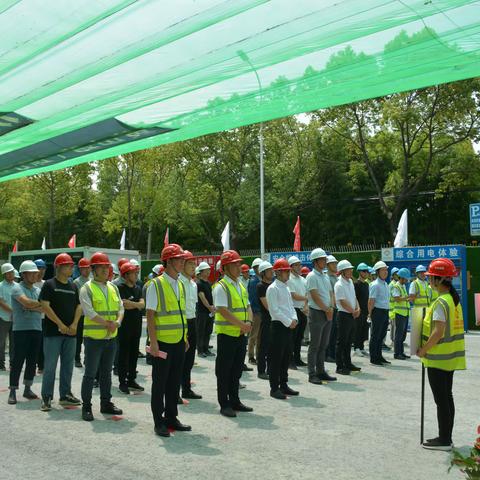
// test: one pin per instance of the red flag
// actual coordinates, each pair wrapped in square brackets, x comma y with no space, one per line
[297,244]
[72,243]
[165,241]
[15,246]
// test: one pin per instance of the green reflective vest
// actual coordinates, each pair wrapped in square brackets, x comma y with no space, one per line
[237,304]
[170,315]
[403,307]
[422,297]
[449,353]
[106,307]
[391,312]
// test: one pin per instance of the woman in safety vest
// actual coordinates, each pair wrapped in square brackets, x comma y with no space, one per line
[443,349]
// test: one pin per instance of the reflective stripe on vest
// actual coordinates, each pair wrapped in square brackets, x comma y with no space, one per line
[106,307]
[236,304]
[422,298]
[170,316]
[403,307]
[449,353]
[391,312]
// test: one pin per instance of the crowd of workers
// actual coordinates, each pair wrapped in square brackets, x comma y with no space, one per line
[262,314]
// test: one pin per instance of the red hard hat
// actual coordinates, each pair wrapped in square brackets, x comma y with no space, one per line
[305,271]
[63,259]
[245,267]
[281,264]
[127,267]
[121,262]
[188,255]
[172,251]
[442,267]
[229,256]
[83,263]
[99,258]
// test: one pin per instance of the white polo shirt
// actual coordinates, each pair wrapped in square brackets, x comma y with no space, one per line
[345,290]
[191,297]
[297,284]
[319,281]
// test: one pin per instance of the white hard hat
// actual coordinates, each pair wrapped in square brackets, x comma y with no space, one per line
[156,268]
[203,266]
[256,262]
[344,265]
[134,262]
[318,253]
[218,266]
[293,259]
[264,266]
[28,266]
[331,259]
[380,265]
[116,271]
[17,275]
[7,267]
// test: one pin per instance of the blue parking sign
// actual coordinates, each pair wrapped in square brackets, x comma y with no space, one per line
[474,219]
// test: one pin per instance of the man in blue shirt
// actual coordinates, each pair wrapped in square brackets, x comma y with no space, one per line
[253,340]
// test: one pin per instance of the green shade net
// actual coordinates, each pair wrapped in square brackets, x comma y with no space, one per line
[86,80]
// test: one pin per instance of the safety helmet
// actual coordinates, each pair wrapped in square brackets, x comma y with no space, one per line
[28,266]
[256,262]
[172,251]
[304,271]
[281,264]
[127,267]
[344,265]
[331,259]
[15,272]
[317,253]
[264,266]
[83,263]
[7,267]
[363,267]
[293,259]
[114,268]
[121,262]
[99,258]
[203,266]
[404,273]
[380,265]
[372,271]
[63,259]
[245,267]
[40,263]
[188,255]
[251,272]
[420,269]
[229,256]
[394,270]
[218,266]
[134,262]
[442,267]
[156,269]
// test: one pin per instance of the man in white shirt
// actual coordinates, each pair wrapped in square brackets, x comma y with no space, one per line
[298,289]
[348,313]
[284,320]
[191,298]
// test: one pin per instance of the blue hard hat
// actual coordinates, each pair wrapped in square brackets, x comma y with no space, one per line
[372,271]
[40,263]
[150,276]
[404,273]
[394,270]
[420,268]
[251,272]
[363,267]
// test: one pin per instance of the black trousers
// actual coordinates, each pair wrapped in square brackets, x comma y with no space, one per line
[78,351]
[128,344]
[401,322]
[297,335]
[345,325]
[40,357]
[166,377]
[203,331]
[332,343]
[27,346]
[360,330]
[228,368]
[279,355]
[263,346]
[441,383]
[189,355]
[379,330]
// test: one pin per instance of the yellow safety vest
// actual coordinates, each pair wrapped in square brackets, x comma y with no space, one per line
[237,304]
[403,307]
[422,297]
[106,307]
[449,353]
[170,316]
[432,294]
[391,312]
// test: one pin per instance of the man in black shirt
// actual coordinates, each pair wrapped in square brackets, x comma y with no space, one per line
[205,310]
[130,331]
[265,270]
[360,334]
[59,299]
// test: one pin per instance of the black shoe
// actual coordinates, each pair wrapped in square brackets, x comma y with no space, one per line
[263,376]
[12,397]
[162,431]
[78,364]
[405,357]
[133,385]
[240,407]
[140,355]
[190,394]
[110,409]
[124,388]
[46,405]
[228,412]
[353,368]
[87,414]
[300,363]
[327,377]
[28,394]
[178,425]
[69,400]
[386,347]
[437,444]
[343,371]
[252,361]
[202,355]
[376,362]
[278,394]
[402,356]
[179,400]
[292,366]
[330,360]
[246,368]
[386,362]
[288,391]
[315,380]
[210,354]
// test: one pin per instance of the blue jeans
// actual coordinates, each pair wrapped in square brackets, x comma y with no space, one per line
[98,357]
[53,348]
